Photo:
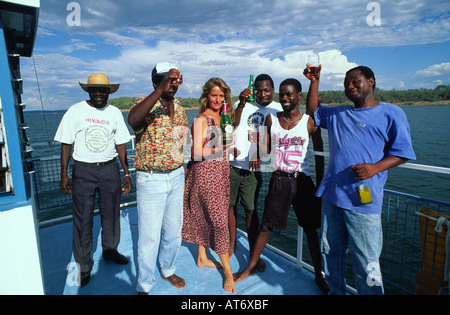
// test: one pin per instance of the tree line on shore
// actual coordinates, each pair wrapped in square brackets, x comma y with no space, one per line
[405,97]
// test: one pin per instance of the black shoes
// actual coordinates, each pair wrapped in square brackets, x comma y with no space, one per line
[114,256]
[322,284]
[111,255]
[84,278]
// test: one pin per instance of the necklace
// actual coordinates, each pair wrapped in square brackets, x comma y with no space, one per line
[165,102]
[291,121]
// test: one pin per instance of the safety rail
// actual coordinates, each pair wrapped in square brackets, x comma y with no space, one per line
[407,263]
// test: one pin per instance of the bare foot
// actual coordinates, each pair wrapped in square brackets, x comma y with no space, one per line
[209,263]
[239,276]
[261,265]
[229,285]
[176,281]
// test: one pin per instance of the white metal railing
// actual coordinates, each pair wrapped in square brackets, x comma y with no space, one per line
[413,166]
[427,168]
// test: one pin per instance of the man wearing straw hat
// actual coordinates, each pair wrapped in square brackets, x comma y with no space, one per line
[99,134]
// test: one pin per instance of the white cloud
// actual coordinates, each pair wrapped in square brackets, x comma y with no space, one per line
[230,60]
[43,32]
[80,45]
[435,70]
[342,23]
[120,40]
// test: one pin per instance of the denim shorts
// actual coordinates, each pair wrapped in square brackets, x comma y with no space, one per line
[296,191]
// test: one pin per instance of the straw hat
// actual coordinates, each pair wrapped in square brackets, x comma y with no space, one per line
[99,80]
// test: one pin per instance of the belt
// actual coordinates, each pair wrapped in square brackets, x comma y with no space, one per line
[158,171]
[287,174]
[242,171]
[98,163]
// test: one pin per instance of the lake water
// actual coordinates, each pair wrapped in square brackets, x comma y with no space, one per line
[430,131]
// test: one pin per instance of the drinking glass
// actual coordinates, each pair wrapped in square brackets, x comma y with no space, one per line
[314,62]
[177,64]
[253,136]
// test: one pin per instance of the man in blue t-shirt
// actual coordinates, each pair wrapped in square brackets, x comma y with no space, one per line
[365,140]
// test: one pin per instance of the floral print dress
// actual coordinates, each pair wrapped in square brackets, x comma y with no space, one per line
[207,198]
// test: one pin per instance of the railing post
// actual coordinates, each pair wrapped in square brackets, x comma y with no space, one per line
[299,246]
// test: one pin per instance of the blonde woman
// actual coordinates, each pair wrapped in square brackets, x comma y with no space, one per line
[207,186]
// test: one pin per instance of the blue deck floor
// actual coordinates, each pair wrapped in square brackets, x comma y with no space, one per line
[281,277]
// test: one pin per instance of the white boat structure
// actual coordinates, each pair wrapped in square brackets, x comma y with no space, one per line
[37,253]
[21,266]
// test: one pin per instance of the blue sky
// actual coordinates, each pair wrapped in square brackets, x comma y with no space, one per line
[232,39]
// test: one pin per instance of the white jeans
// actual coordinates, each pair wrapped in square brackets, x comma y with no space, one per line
[160,219]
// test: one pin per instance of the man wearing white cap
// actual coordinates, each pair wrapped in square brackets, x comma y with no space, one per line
[160,124]
[99,134]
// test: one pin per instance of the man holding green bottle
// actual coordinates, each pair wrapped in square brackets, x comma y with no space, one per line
[245,175]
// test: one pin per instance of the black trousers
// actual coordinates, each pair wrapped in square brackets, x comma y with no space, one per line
[87,181]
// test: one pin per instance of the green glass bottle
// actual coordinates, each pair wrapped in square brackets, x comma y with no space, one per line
[251,86]
[226,125]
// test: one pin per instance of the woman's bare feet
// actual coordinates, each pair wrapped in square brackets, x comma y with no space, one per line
[204,261]
[209,263]
[229,285]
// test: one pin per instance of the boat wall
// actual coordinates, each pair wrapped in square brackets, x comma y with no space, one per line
[20,266]
[20,263]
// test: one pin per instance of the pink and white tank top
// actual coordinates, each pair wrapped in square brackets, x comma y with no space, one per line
[290,147]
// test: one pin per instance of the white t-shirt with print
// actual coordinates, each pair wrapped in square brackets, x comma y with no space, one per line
[94,131]
[253,118]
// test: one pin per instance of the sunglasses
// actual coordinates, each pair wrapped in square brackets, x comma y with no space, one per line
[101,90]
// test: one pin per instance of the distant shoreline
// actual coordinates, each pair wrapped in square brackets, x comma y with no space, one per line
[447,102]
[408,103]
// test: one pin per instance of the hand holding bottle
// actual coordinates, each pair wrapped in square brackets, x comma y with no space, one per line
[245,94]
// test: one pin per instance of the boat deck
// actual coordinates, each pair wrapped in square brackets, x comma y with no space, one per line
[282,277]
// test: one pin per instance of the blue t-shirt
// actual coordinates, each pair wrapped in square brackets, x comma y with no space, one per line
[361,135]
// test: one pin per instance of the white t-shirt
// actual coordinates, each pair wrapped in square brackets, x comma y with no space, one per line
[253,118]
[95,132]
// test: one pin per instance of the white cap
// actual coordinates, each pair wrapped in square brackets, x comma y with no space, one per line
[162,68]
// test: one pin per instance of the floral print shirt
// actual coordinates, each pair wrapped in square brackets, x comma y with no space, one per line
[159,145]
